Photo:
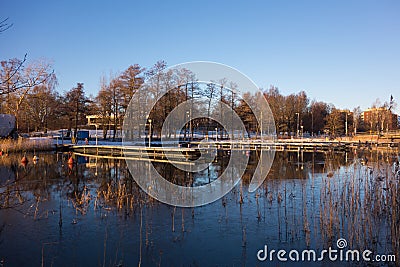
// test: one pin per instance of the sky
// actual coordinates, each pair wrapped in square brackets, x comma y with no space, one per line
[342,52]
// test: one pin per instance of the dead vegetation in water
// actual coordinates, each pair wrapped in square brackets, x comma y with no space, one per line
[81,202]
[25,145]
[362,205]
[122,196]
[357,201]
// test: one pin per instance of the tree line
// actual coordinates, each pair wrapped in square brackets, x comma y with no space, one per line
[295,114]
[29,91]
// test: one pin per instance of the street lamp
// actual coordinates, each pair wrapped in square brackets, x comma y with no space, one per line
[149,132]
[346,124]
[298,118]
[188,132]
[312,123]
[216,134]
[96,132]
[261,128]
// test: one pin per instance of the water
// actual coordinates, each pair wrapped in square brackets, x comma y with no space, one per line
[93,213]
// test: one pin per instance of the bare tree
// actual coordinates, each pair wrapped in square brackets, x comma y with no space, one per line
[318,112]
[276,103]
[114,97]
[131,80]
[104,106]
[41,106]
[356,119]
[14,76]
[334,122]
[11,75]
[209,92]
[246,114]
[76,100]
[186,81]
[116,101]
[22,81]
[156,81]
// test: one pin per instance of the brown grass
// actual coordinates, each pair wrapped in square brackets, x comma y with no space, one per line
[25,145]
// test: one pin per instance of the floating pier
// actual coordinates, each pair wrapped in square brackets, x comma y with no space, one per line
[155,154]
[187,152]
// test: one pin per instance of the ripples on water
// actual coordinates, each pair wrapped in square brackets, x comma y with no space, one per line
[93,213]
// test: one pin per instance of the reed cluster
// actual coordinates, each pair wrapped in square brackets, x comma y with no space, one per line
[357,201]
[122,195]
[25,145]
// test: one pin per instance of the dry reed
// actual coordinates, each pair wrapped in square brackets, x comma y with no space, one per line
[25,145]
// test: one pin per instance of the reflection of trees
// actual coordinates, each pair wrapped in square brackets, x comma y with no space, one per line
[27,182]
[52,176]
[297,165]
[286,165]
[357,203]
[75,185]
[116,187]
[111,183]
[40,181]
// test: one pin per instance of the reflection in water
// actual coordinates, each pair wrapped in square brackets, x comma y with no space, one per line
[93,213]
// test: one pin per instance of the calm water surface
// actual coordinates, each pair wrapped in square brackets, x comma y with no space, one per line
[93,213]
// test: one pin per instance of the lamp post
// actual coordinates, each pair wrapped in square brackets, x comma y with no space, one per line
[188,132]
[96,132]
[216,134]
[312,123]
[346,123]
[298,118]
[149,132]
[261,130]
[190,125]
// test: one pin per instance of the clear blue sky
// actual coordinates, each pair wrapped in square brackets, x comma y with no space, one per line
[341,52]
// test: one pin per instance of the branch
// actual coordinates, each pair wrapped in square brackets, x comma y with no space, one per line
[13,73]
[4,25]
[33,77]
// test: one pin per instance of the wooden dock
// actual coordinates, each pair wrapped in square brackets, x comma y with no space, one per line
[156,154]
[279,145]
[192,151]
